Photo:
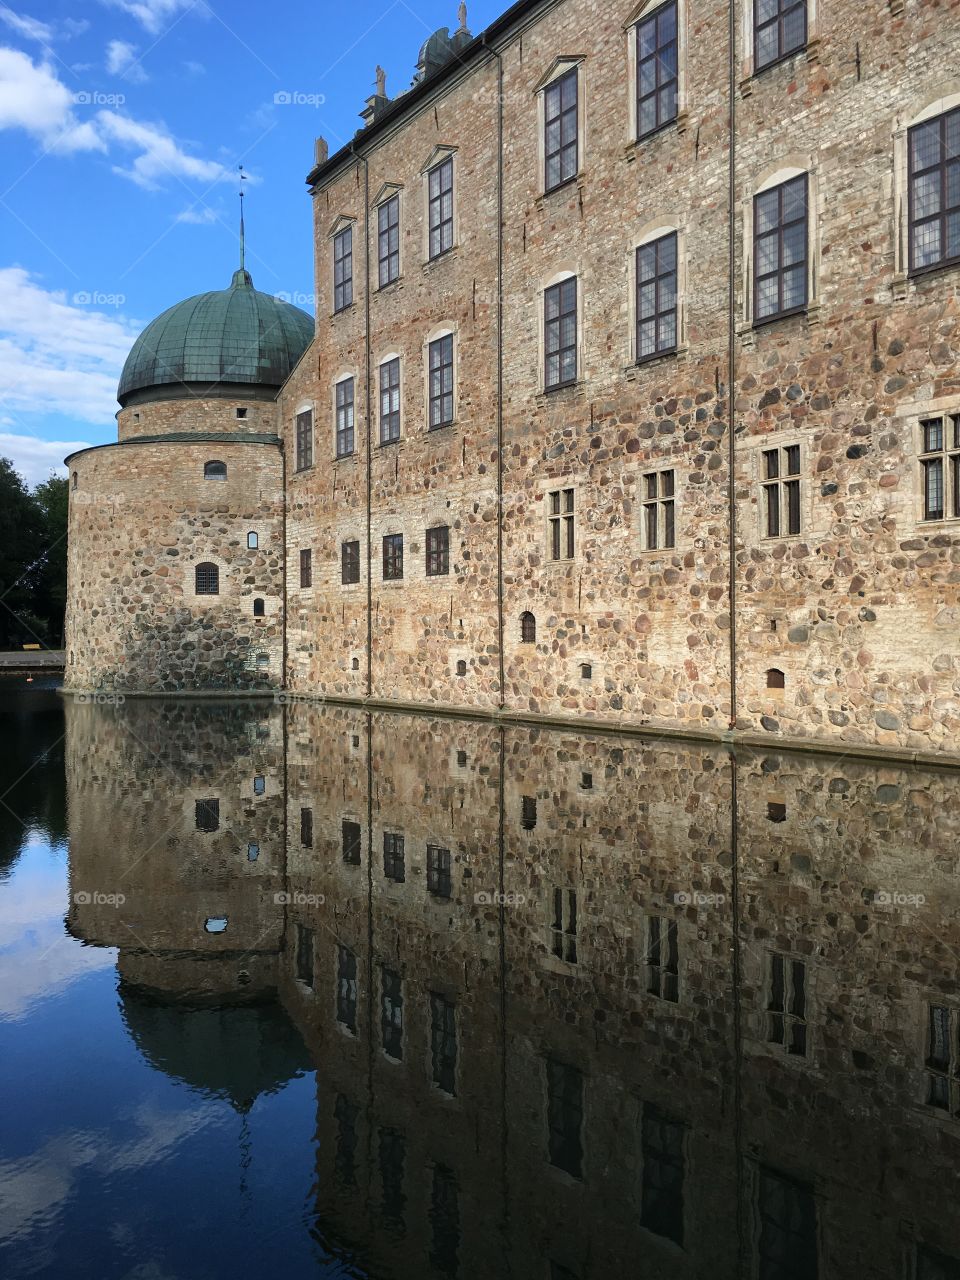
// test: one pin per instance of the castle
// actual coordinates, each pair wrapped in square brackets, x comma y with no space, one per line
[632,397]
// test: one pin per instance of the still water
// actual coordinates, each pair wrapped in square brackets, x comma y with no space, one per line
[291,990]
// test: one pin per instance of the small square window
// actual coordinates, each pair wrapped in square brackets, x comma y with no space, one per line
[241,413]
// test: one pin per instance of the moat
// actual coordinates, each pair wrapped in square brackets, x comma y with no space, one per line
[300,990]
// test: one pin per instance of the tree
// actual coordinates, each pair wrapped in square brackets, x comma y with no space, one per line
[50,601]
[22,538]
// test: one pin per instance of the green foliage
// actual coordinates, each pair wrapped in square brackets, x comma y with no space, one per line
[33,560]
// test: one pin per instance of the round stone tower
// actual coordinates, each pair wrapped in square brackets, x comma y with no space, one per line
[176,557]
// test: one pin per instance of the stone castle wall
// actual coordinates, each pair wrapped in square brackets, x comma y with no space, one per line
[198,413]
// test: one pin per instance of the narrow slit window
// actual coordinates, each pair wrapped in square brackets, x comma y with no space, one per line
[560,334]
[560,520]
[394,865]
[391,1013]
[528,628]
[787,1003]
[440,356]
[443,1042]
[304,429]
[346,988]
[560,143]
[390,401]
[563,926]
[440,192]
[343,269]
[306,568]
[781,491]
[351,835]
[659,510]
[388,240]
[345,418]
[780,250]
[438,871]
[663,959]
[304,955]
[349,563]
[657,325]
[392,557]
[658,70]
[565,1117]
[306,828]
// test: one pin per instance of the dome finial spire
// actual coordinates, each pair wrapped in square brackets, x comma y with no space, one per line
[243,179]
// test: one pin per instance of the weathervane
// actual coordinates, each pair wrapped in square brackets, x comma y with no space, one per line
[243,179]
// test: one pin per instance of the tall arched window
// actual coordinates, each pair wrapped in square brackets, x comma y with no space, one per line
[259,608]
[75,480]
[253,540]
[207,579]
[214,470]
[528,628]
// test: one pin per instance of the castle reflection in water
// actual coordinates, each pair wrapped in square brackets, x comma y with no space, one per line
[579,1006]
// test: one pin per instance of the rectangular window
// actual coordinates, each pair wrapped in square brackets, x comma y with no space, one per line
[393,857]
[392,1156]
[305,440]
[787,1213]
[943,1060]
[351,836]
[438,551]
[657,297]
[940,467]
[304,955]
[560,146]
[565,1117]
[663,959]
[560,517]
[657,70]
[787,1003]
[391,1012]
[438,871]
[934,191]
[390,401]
[388,240]
[343,269]
[663,1167]
[659,511]
[443,1042]
[392,557]
[306,828]
[346,1114]
[306,568]
[440,188]
[345,433]
[346,988]
[444,1221]
[781,491]
[779,29]
[207,815]
[441,382]
[349,563]
[560,334]
[563,925]
[780,250]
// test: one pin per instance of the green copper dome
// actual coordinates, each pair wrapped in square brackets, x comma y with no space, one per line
[217,342]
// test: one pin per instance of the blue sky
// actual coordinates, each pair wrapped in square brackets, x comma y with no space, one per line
[122,123]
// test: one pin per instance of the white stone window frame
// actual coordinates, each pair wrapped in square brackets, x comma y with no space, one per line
[640,14]
[565,271]
[656,466]
[775,176]
[748,69]
[385,194]
[561,484]
[946,98]
[653,230]
[381,360]
[340,224]
[343,375]
[912,414]
[442,330]
[305,406]
[558,69]
[441,152]
[766,444]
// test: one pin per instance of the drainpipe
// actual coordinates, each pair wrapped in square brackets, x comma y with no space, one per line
[367,406]
[732,362]
[283,566]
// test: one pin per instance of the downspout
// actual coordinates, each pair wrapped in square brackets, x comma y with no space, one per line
[283,566]
[367,406]
[732,362]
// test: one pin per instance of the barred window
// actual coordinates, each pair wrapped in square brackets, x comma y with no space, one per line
[305,440]
[438,551]
[657,69]
[663,959]
[349,563]
[560,522]
[304,955]
[663,1168]
[565,1117]
[563,925]
[781,491]
[394,867]
[345,432]
[560,334]
[215,470]
[780,249]
[207,815]
[390,401]
[779,29]
[657,325]
[443,1042]
[306,568]
[346,988]
[934,191]
[440,188]
[659,510]
[438,871]
[351,836]
[388,240]
[206,579]
[560,143]
[528,628]
[391,1013]
[787,1003]
[440,355]
[343,269]
[940,467]
[306,828]
[392,557]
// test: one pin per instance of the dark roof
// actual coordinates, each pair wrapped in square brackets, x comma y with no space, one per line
[230,337]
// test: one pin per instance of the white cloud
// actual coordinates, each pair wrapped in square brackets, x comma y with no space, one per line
[160,157]
[35,459]
[195,68]
[200,216]
[29,28]
[122,60]
[155,15]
